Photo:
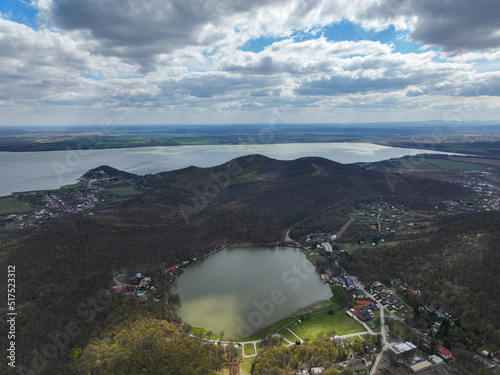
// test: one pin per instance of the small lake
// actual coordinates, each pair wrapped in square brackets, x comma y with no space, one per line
[43,170]
[241,290]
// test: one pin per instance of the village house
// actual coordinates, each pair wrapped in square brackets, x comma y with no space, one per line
[384,295]
[444,353]
[391,300]
[125,288]
[358,293]
[362,313]
[397,306]
[436,360]
[402,351]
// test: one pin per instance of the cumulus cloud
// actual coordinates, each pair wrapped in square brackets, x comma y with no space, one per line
[457,26]
[139,31]
[156,56]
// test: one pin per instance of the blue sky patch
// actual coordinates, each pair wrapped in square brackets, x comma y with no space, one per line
[258,45]
[343,31]
[347,30]
[19,11]
[91,76]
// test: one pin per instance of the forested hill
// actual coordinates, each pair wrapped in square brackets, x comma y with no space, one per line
[66,262]
[307,182]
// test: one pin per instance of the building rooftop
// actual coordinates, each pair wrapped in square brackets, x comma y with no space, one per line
[436,360]
[444,351]
[420,366]
[403,347]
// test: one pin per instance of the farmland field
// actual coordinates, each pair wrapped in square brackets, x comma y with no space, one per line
[10,206]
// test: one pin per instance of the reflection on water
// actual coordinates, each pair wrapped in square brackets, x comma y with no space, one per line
[24,171]
[242,290]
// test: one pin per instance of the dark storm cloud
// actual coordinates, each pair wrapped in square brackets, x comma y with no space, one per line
[137,31]
[456,26]
[132,23]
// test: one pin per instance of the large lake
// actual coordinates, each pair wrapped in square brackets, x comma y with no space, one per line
[244,289]
[24,171]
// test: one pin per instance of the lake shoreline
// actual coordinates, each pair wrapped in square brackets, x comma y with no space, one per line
[272,283]
[50,170]
[82,148]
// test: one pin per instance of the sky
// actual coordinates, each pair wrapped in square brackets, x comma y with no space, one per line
[88,62]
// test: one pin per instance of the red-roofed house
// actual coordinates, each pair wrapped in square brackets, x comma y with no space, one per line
[444,353]
[125,288]
[359,302]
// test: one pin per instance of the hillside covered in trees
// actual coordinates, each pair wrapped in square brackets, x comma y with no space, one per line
[135,339]
[456,269]
[65,267]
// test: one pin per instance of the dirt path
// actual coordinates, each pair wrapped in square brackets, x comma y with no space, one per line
[344,228]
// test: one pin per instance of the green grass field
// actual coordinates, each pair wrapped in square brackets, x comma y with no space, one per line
[403,312]
[196,331]
[428,164]
[249,349]
[376,321]
[9,206]
[397,330]
[288,335]
[123,191]
[321,323]
[351,247]
[245,367]
[489,348]
[311,257]
[273,328]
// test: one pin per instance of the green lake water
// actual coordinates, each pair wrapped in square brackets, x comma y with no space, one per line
[244,289]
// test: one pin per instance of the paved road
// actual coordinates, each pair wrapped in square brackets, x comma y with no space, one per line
[254,343]
[384,339]
[301,341]
[383,333]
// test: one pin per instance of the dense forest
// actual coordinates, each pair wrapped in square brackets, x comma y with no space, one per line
[136,339]
[65,267]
